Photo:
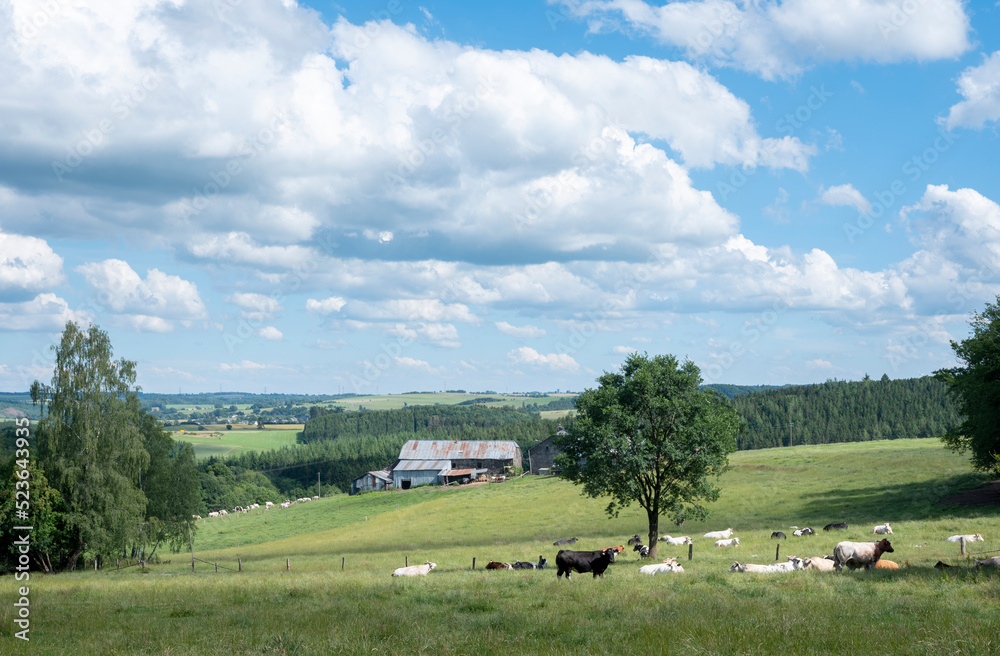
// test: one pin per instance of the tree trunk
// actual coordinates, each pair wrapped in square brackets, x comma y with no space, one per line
[654,532]
[71,563]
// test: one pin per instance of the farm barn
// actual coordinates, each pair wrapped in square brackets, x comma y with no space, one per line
[372,481]
[411,473]
[542,455]
[445,461]
[493,456]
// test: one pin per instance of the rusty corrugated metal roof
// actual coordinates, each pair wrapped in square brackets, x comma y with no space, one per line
[458,472]
[459,450]
[422,465]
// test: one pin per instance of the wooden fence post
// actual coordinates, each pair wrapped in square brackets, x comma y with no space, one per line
[342,561]
[777,552]
[406,561]
[473,562]
[961,544]
[240,562]
[288,564]
[690,551]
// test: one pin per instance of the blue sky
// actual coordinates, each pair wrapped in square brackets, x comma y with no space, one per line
[395,196]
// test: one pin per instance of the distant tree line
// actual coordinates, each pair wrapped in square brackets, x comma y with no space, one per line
[442,420]
[732,391]
[842,411]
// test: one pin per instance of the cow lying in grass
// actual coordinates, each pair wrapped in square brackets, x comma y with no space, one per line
[415,570]
[773,568]
[668,566]
[975,537]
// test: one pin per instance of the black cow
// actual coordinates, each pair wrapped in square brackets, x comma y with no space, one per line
[840,526]
[642,549]
[539,565]
[779,535]
[635,539]
[560,542]
[583,562]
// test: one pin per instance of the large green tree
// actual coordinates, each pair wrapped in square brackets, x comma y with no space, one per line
[976,389]
[649,435]
[91,443]
[170,483]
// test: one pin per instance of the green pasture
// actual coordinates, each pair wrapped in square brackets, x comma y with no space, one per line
[317,607]
[217,441]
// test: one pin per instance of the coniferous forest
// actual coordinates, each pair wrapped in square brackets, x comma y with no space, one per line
[842,411]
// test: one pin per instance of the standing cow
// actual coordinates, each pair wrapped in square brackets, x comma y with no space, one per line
[583,562]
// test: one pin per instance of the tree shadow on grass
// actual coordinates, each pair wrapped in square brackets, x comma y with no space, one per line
[875,503]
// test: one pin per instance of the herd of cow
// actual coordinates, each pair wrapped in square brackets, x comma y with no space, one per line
[853,555]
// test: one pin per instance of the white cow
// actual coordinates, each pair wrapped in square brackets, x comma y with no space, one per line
[668,566]
[715,535]
[818,563]
[859,554]
[415,570]
[731,542]
[774,568]
[882,529]
[975,537]
[675,541]
[268,505]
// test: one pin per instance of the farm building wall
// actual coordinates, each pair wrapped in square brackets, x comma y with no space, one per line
[370,482]
[543,455]
[404,480]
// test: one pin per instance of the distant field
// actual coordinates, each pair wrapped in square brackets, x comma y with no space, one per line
[397,401]
[215,442]
[318,608]
[555,414]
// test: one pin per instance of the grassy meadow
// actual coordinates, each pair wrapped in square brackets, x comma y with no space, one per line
[319,608]
[217,441]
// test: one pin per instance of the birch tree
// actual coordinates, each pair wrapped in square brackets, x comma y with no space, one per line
[91,444]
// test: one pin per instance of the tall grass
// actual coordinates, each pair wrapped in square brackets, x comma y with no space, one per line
[318,609]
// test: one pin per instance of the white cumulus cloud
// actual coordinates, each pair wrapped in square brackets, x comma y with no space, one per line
[526,331]
[325,306]
[271,334]
[980,88]
[161,295]
[845,194]
[554,361]
[27,264]
[781,39]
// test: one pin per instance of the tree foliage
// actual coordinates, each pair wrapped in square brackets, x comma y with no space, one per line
[109,461]
[976,389]
[649,435]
